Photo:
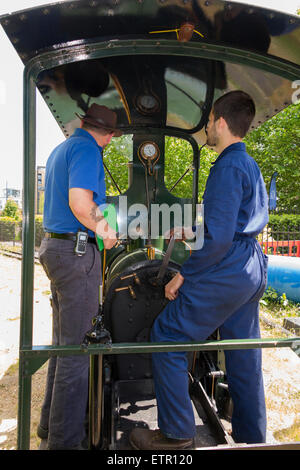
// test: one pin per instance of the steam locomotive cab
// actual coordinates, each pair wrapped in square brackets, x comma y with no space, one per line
[158,100]
[159,65]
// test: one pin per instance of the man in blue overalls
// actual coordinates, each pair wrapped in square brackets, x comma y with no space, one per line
[218,287]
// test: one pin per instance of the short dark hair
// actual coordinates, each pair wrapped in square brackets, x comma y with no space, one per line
[238,110]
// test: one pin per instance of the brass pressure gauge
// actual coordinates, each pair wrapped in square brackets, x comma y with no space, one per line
[149,150]
[148,153]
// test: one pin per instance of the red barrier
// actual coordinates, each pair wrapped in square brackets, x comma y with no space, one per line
[281,247]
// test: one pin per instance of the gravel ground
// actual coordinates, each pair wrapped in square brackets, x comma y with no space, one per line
[281,366]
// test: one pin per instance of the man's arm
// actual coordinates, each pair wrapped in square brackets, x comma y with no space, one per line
[87,212]
[223,197]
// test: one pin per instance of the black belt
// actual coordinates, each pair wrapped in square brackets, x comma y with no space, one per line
[67,236]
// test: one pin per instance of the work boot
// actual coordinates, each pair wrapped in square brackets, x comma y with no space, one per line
[147,439]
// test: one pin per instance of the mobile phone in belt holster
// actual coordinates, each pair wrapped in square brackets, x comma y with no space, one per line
[81,243]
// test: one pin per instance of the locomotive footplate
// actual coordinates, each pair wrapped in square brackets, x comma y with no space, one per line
[134,405]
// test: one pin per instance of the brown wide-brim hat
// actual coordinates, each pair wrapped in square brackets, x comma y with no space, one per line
[102,117]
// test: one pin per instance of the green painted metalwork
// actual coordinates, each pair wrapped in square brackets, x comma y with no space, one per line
[89,51]
[45,352]
[26,322]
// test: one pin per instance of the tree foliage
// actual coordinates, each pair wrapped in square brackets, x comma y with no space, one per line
[178,158]
[11,209]
[276,147]
[117,157]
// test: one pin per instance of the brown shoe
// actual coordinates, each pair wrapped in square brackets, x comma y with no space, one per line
[147,439]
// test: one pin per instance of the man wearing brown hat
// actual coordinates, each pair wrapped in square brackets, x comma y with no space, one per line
[74,195]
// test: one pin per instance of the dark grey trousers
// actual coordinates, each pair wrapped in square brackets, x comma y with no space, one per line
[75,284]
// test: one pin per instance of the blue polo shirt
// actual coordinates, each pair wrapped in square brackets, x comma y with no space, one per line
[235,204]
[75,163]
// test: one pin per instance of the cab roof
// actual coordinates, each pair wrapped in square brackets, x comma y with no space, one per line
[175,56]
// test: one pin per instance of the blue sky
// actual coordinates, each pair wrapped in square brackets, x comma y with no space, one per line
[11,91]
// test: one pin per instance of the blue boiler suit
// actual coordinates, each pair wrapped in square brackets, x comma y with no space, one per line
[223,282]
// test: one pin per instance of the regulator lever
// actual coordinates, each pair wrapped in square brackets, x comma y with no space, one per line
[166,259]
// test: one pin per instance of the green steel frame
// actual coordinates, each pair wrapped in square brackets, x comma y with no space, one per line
[31,358]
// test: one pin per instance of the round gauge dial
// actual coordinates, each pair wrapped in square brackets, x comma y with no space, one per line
[147,103]
[149,150]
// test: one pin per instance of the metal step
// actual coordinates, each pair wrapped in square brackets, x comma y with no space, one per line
[140,410]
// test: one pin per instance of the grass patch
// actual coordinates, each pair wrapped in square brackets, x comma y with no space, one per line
[12,369]
[275,308]
[291,434]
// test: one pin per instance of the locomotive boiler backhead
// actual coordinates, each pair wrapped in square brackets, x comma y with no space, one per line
[133,300]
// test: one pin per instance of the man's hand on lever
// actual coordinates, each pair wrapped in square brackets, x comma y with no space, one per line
[171,289]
